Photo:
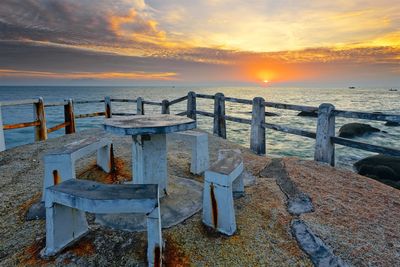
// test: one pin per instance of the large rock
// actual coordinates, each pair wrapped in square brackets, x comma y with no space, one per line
[271,114]
[382,168]
[392,123]
[354,129]
[267,113]
[308,114]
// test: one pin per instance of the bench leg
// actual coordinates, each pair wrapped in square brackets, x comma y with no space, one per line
[64,225]
[200,157]
[105,158]
[238,184]
[154,238]
[57,169]
[2,142]
[149,161]
[218,208]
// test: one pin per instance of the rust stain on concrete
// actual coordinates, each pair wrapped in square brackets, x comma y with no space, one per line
[214,206]
[173,254]
[56,177]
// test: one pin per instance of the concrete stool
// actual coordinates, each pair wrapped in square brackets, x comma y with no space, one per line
[199,142]
[67,202]
[59,165]
[218,206]
[237,184]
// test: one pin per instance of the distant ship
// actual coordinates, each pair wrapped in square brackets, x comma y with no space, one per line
[352,87]
[393,90]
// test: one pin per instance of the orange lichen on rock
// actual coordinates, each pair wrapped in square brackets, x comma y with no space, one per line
[31,255]
[173,255]
[119,173]
[83,247]
[23,209]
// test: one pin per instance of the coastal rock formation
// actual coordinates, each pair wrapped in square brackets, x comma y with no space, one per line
[392,123]
[382,168]
[308,114]
[267,113]
[297,213]
[356,216]
[271,114]
[354,129]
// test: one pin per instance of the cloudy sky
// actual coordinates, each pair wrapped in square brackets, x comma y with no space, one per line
[286,42]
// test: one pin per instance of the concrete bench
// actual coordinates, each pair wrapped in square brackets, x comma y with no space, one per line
[199,145]
[67,202]
[218,206]
[59,165]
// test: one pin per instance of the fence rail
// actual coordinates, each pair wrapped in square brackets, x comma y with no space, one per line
[20,125]
[324,135]
[19,102]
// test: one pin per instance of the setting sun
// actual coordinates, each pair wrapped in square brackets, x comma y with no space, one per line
[266,81]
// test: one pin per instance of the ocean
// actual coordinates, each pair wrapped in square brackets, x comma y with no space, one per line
[278,143]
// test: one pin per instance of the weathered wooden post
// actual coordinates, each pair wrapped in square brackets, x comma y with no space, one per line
[324,148]
[165,107]
[108,111]
[191,106]
[219,115]
[40,116]
[69,117]
[139,106]
[2,139]
[257,138]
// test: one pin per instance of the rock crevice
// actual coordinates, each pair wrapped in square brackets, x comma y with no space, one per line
[299,203]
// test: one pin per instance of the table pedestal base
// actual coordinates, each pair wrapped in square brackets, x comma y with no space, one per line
[149,161]
[183,201]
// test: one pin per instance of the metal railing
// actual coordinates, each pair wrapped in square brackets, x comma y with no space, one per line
[324,135]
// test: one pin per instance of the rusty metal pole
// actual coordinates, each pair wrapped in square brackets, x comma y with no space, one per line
[108,111]
[219,115]
[191,106]
[40,116]
[69,117]
[2,140]
[140,106]
[324,147]
[165,107]
[257,137]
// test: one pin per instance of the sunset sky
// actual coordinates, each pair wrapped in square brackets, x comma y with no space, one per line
[208,42]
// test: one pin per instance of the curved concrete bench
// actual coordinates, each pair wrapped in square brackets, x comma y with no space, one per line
[218,206]
[59,165]
[67,202]
[199,144]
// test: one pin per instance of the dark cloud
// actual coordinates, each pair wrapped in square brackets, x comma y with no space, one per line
[101,36]
[89,23]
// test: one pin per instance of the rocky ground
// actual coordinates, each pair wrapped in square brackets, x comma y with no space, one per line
[353,219]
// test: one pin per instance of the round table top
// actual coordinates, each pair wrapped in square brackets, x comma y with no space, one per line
[148,124]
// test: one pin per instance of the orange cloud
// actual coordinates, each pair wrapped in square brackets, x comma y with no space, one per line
[136,28]
[89,75]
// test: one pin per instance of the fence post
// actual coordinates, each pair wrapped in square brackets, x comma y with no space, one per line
[40,116]
[324,148]
[2,140]
[219,115]
[69,117]
[140,106]
[108,111]
[191,106]
[165,107]
[257,137]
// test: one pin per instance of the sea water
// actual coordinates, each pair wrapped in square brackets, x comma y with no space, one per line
[278,143]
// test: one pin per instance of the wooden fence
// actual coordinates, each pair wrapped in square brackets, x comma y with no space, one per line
[324,135]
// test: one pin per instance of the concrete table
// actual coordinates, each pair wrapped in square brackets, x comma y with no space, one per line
[149,149]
